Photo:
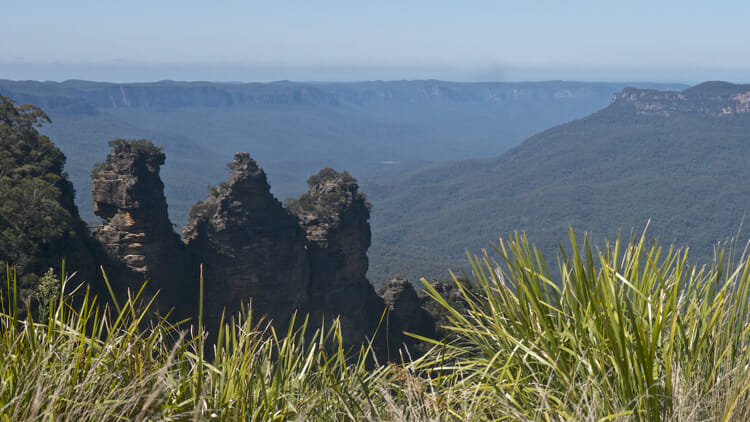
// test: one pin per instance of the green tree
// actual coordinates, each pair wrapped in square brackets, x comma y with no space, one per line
[33,211]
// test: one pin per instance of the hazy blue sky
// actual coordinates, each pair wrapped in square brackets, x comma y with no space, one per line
[352,40]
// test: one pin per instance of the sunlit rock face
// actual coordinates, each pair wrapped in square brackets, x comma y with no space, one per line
[129,195]
[251,247]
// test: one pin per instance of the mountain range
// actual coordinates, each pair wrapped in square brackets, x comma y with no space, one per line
[370,129]
[677,161]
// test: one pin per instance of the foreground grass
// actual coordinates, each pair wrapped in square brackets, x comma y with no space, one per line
[628,332]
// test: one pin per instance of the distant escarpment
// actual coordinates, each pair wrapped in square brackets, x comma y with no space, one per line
[682,173]
[709,98]
[129,195]
[93,97]
[252,248]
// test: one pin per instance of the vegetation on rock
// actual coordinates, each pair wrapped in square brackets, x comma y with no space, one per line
[330,192]
[153,155]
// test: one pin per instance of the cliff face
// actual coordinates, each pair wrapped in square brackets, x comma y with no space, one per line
[335,217]
[129,195]
[709,98]
[251,247]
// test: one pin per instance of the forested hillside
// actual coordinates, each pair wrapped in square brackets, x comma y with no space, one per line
[676,159]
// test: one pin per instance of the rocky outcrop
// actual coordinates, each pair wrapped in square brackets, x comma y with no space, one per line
[250,246]
[129,195]
[253,250]
[405,308]
[335,216]
[708,98]
[311,258]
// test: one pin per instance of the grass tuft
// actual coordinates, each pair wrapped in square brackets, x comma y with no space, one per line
[628,332]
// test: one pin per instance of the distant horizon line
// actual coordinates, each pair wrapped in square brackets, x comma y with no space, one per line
[313,81]
[131,72]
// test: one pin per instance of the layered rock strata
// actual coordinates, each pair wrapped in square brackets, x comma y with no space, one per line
[129,195]
[252,248]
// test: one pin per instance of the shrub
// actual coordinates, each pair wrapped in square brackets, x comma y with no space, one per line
[47,291]
[153,155]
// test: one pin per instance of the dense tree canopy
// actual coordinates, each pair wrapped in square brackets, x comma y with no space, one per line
[33,212]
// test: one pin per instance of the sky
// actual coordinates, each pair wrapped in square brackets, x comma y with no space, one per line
[467,40]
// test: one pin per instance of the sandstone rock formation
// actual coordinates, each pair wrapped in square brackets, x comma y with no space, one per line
[335,216]
[129,195]
[250,246]
[253,250]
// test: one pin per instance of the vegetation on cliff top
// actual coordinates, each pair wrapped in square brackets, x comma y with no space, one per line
[143,148]
[329,192]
